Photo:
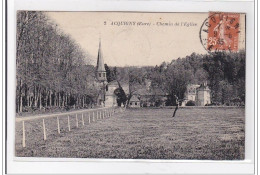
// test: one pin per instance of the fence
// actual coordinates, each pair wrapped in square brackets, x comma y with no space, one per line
[62,121]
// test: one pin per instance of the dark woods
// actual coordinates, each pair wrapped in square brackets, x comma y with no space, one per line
[53,71]
[223,72]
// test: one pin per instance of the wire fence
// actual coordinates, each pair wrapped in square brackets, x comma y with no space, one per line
[34,129]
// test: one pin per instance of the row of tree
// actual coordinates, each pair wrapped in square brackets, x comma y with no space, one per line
[223,71]
[52,70]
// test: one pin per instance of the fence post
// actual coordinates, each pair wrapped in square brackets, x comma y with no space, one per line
[82,117]
[89,117]
[100,114]
[23,135]
[93,116]
[44,131]
[69,122]
[58,123]
[77,122]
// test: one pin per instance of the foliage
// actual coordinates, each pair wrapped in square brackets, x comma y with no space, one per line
[121,96]
[51,68]
[190,103]
[53,71]
[111,73]
[226,76]
[224,73]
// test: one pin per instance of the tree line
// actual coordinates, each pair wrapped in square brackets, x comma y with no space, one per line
[52,70]
[224,73]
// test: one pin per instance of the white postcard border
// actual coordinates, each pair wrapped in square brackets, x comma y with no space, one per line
[95,166]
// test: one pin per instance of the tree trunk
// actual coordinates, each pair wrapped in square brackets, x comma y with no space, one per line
[40,99]
[21,98]
[55,99]
[50,99]
[66,100]
[63,100]
[46,98]
[26,95]
[59,99]
[35,97]
[28,101]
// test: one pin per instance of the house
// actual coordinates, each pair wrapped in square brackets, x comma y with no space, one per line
[200,94]
[135,102]
[151,97]
[203,95]
[190,93]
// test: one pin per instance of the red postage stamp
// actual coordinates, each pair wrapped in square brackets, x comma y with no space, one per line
[223,31]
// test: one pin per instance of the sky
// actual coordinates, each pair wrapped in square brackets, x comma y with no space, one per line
[134,39]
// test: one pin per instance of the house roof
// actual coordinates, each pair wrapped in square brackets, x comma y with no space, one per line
[203,88]
[134,98]
[147,92]
[142,91]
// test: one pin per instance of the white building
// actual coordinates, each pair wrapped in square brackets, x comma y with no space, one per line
[110,95]
[135,102]
[191,92]
[203,95]
[200,94]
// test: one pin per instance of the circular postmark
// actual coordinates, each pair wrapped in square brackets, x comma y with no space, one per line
[220,32]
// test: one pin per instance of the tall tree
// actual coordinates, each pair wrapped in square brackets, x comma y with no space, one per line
[49,66]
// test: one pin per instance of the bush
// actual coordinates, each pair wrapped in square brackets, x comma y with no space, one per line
[190,103]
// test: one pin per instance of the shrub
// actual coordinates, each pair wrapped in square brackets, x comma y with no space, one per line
[190,103]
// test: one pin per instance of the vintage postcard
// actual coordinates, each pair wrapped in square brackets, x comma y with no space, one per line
[130,85]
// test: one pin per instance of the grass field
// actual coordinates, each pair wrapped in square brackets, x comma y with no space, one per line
[195,133]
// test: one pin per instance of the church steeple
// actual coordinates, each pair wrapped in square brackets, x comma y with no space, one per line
[100,69]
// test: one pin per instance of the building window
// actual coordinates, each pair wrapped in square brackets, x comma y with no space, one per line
[131,103]
[135,103]
[104,74]
[99,74]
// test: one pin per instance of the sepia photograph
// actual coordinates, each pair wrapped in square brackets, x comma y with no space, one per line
[130,85]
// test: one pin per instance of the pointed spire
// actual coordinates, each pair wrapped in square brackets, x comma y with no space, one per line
[100,61]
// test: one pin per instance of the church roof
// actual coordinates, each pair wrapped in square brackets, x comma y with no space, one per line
[100,60]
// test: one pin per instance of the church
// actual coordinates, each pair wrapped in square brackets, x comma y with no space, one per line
[106,96]
[200,94]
